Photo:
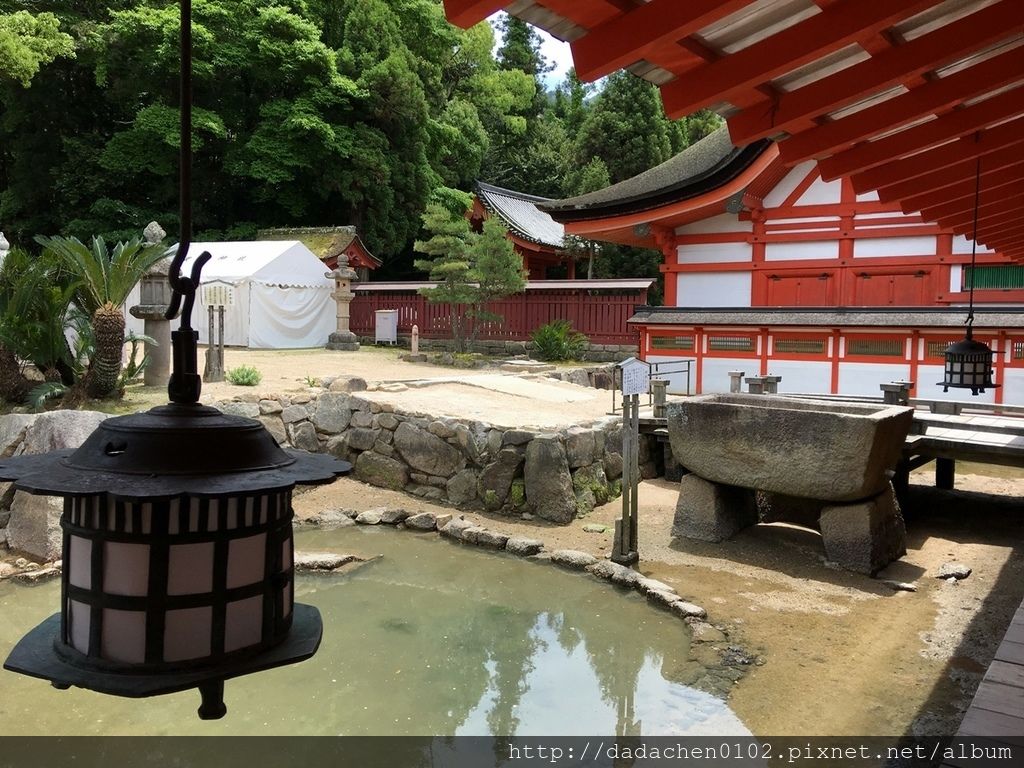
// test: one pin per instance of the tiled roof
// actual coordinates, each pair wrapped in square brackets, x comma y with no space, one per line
[521,214]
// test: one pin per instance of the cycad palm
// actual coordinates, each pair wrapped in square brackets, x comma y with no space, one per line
[105,281]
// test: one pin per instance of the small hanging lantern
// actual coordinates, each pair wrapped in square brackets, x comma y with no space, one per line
[969,362]
[177,551]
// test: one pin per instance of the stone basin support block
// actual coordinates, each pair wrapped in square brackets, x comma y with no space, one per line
[709,511]
[864,536]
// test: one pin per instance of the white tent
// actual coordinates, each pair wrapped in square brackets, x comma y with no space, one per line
[282,297]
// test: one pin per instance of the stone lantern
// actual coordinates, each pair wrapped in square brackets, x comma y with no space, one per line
[177,544]
[344,277]
[154,299]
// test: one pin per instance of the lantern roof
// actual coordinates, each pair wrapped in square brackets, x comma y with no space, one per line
[899,96]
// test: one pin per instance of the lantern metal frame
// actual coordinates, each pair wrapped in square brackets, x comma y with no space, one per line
[968,363]
[182,483]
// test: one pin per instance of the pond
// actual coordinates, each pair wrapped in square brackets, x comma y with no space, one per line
[431,638]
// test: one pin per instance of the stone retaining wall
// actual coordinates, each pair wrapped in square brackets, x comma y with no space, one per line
[554,475]
[598,353]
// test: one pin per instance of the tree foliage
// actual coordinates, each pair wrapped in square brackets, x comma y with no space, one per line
[28,41]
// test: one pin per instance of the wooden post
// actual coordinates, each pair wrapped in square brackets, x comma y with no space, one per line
[214,368]
[945,473]
[625,550]
[220,342]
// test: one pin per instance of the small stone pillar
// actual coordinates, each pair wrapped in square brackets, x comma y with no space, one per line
[896,392]
[155,298]
[659,389]
[736,381]
[415,340]
[5,247]
[755,385]
[344,276]
[771,385]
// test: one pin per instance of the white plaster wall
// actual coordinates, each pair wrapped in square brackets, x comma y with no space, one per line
[785,187]
[822,193]
[963,244]
[893,246]
[1013,386]
[865,378]
[811,249]
[713,253]
[724,222]
[713,289]
[868,197]
[677,382]
[801,375]
[956,276]
[928,378]
[715,373]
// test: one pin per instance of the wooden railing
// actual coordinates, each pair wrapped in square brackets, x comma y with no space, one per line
[600,315]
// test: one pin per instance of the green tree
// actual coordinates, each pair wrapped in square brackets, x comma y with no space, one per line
[27,42]
[105,279]
[496,268]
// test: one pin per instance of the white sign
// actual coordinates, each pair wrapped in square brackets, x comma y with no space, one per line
[636,376]
[218,294]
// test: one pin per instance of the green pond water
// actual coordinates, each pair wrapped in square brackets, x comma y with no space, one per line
[432,638]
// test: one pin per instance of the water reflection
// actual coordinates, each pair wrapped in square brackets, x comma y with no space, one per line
[431,639]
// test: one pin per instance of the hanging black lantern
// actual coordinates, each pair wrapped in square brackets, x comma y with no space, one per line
[969,362]
[177,552]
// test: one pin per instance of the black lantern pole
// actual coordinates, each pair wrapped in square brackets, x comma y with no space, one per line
[969,362]
[178,559]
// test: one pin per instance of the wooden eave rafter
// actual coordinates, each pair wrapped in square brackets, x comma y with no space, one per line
[899,96]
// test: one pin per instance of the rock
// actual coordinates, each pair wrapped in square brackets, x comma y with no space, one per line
[331,414]
[549,491]
[899,586]
[957,571]
[370,517]
[153,234]
[248,410]
[387,421]
[300,398]
[526,516]
[495,481]
[516,437]
[7,570]
[372,468]
[485,538]
[424,521]
[59,430]
[865,536]
[580,447]
[34,527]
[441,429]
[590,485]
[425,492]
[360,439]
[594,528]
[37,575]
[578,376]
[461,488]
[303,436]
[709,511]
[275,427]
[321,561]
[618,574]
[5,514]
[426,452]
[348,384]
[519,545]
[688,610]
[443,520]
[454,528]
[664,599]
[12,431]
[330,518]
[393,516]
[294,413]
[646,585]
[362,419]
[270,407]
[467,442]
[572,558]
[603,380]
[705,633]
[613,465]
[393,387]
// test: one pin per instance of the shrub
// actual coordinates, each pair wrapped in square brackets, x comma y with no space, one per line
[244,376]
[558,341]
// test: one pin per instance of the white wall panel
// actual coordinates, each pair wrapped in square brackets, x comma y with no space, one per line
[785,187]
[962,244]
[893,246]
[713,289]
[725,222]
[802,375]
[865,378]
[956,276]
[675,373]
[822,193]
[1013,386]
[811,249]
[928,378]
[715,374]
[713,253]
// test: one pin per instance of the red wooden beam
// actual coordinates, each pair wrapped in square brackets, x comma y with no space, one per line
[1000,199]
[969,147]
[466,13]
[883,70]
[953,175]
[1012,234]
[840,24]
[988,221]
[939,131]
[1000,231]
[931,98]
[1001,178]
[624,39]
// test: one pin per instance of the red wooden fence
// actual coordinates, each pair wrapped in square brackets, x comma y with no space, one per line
[600,315]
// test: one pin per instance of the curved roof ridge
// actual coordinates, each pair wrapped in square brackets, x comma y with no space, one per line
[522,215]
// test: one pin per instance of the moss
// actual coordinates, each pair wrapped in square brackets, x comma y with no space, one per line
[490,499]
[615,489]
[517,495]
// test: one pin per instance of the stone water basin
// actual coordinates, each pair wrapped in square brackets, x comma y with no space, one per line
[837,452]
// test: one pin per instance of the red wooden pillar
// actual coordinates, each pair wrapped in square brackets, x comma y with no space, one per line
[835,361]
[570,268]
[698,349]
[764,351]
[915,358]
[1002,344]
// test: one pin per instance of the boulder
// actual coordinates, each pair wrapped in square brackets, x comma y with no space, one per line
[370,517]
[303,436]
[424,521]
[270,407]
[462,488]
[362,419]
[580,447]
[294,413]
[579,377]
[34,527]
[321,561]
[12,431]
[603,380]
[520,545]
[612,465]
[549,491]
[393,516]
[485,538]
[331,414]
[952,570]
[709,511]
[467,441]
[275,427]
[387,421]
[372,468]
[619,574]
[591,486]
[688,610]
[360,439]
[454,528]
[348,384]
[426,452]
[516,437]
[442,429]
[59,430]
[496,478]
[247,410]
[572,558]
